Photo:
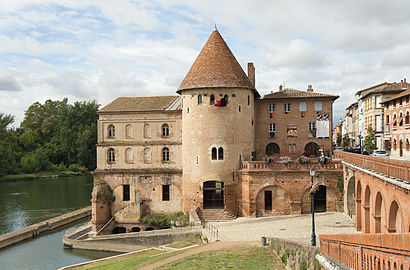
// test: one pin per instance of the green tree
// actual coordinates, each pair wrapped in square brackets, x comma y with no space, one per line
[35,161]
[339,139]
[346,140]
[370,140]
[10,152]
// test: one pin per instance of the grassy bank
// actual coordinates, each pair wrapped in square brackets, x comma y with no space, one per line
[29,176]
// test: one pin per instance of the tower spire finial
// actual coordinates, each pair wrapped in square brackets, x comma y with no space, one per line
[216,29]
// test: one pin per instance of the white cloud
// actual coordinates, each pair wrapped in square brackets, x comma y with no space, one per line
[298,54]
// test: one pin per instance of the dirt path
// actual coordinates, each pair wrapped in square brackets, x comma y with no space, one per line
[199,249]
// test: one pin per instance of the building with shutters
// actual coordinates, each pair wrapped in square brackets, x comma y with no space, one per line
[214,148]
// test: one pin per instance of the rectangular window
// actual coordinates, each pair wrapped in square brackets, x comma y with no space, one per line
[271,107]
[165,192]
[272,127]
[302,106]
[286,107]
[292,148]
[378,123]
[125,192]
[378,99]
[312,129]
[318,106]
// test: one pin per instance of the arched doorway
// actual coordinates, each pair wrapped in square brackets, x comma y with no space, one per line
[320,199]
[118,230]
[312,149]
[367,210]
[135,229]
[378,212]
[359,206]
[394,209]
[213,195]
[272,200]
[272,148]
[350,196]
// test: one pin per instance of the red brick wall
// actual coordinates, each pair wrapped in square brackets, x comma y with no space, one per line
[369,251]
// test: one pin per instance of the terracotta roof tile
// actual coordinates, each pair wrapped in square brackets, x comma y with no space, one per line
[293,93]
[142,104]
[216,66]
[402,94]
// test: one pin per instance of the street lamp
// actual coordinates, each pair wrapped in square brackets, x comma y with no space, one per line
[312,196]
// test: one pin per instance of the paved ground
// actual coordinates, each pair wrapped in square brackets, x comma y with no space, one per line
[295,228]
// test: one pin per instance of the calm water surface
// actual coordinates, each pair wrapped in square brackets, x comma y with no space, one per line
[23,203]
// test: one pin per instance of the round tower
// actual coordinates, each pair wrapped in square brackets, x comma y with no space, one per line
[217,127]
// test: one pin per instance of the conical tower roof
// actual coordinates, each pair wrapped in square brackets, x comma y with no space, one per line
[216,66]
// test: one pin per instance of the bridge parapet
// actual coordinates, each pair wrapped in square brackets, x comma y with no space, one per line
[389,167]
[368,251]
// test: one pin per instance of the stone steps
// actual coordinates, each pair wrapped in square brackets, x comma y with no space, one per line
[215,215]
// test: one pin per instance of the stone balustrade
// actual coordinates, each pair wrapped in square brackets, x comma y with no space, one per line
[368,251]
[393,168]
[294,166]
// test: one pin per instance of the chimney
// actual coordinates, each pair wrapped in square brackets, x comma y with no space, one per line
[280,87]
[310,89]
[251,73]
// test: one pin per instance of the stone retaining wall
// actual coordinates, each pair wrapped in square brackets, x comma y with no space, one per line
[132,241]
[37,229]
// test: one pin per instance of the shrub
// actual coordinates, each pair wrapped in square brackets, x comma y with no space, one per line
[285,160]
[163,221]
[303,160]
[322,160]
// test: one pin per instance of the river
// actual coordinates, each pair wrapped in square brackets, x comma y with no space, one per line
[23,203]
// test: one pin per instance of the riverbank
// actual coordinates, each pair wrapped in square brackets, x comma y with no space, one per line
[31,176]
[46,226]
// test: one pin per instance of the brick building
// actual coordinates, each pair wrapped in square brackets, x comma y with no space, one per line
[397,125]
[200,149]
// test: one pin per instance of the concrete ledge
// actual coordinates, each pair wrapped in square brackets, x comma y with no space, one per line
[131,241]
[328,264]
[37,229]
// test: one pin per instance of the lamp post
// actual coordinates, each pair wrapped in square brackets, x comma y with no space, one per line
[312,197]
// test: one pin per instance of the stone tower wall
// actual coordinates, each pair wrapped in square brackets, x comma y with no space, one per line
[206,126]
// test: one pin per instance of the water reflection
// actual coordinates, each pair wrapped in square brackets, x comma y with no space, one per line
[23,203]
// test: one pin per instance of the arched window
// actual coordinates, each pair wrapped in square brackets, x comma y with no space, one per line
[111,155]
[165,154]
[129,157]
[212,99]
[147,155]
[214,154]
[111,131]
[249,100]
[272,148]
[226,99]
[165,130]
[220,153]
[146,131]
[199,99]
[128,131]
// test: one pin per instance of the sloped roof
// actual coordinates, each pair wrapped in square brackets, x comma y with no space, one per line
[143,104]
[402,94]
[216,66]
[293,93]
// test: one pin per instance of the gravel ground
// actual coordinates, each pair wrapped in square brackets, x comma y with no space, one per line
[297,228]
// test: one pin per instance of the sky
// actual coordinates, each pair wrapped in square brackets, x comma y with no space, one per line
[100,49]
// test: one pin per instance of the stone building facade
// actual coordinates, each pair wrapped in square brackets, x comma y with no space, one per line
[176,153]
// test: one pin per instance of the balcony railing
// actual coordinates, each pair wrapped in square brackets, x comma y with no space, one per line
[294,166]
[390,251]
[393,168]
